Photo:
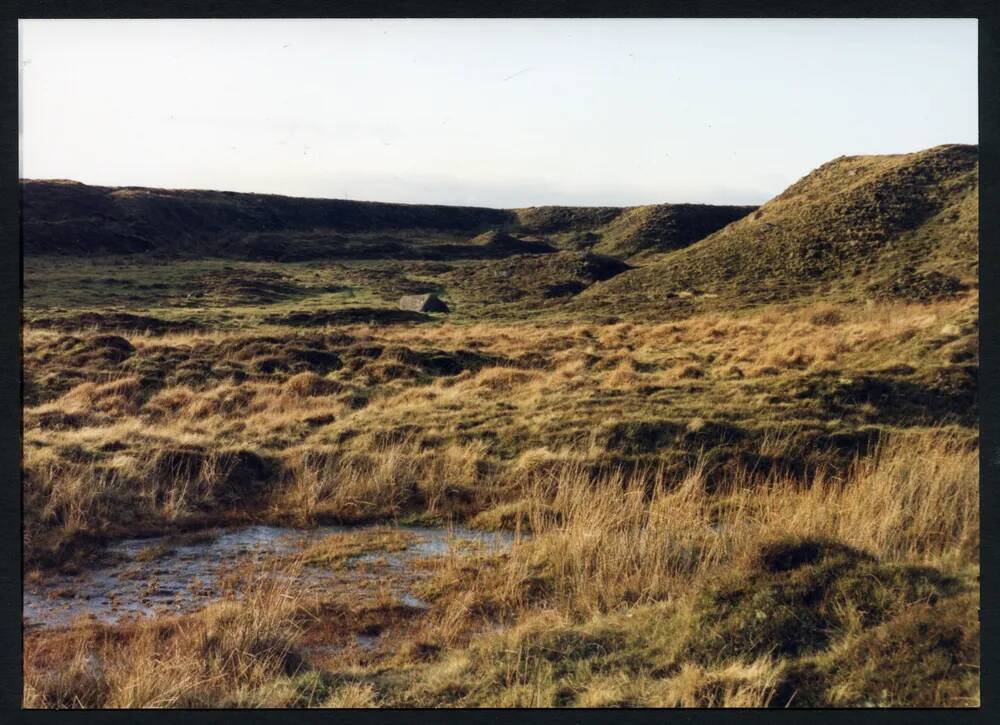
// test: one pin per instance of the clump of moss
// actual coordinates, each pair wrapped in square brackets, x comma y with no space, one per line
[927,656]
[799,595]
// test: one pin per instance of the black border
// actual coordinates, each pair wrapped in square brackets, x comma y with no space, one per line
[10,300]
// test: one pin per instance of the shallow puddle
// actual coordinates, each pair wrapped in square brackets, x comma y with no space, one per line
[162,575]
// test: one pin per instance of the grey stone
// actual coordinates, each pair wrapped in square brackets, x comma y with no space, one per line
[422,303]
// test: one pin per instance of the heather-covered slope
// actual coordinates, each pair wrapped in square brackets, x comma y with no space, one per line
[66,217]
[902,226]
[69,217]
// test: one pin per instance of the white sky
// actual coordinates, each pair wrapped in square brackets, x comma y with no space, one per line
[487,112]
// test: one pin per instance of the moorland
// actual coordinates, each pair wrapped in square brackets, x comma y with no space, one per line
[734,450]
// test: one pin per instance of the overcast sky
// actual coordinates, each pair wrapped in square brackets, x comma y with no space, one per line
[487,112]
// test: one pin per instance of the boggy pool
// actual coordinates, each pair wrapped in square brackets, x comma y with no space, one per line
[164,575]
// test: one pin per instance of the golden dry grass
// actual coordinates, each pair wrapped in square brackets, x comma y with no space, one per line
[374,437]
[603,552]
[231,654]
[639,464]
[619,540]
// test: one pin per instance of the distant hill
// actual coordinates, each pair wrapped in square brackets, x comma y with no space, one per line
[67,217]
[664,227]
[629,231]
[902,225]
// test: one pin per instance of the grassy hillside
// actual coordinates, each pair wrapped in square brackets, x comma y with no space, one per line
[902,226]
